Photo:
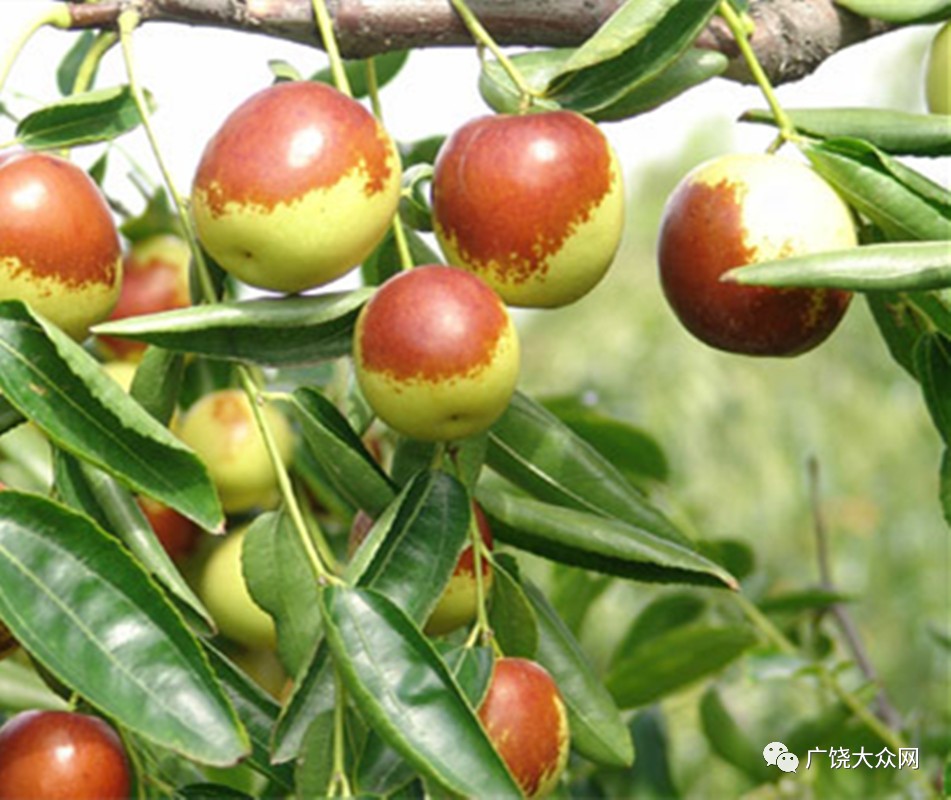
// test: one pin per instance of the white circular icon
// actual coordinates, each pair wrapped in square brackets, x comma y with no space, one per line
[772,751]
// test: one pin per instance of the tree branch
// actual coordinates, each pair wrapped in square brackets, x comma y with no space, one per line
[792,37]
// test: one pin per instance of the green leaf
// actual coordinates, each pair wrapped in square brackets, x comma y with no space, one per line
[283,71]
[631,23]
[210,791]
[896,266]
[537,68]
[863,177]
[85,609]
[597,543]
[124,518]
[384,262]
[406,692]
[421,151]
[896,132]
[158,218]
[387,66]
[693,67]
[660,616]
[634,452]
[95,116]
[281,581]
[21,689]
[257,711]
[51,380]
[944,486]
[472,667]
[933,367]
[902,12]
[900,325]
[802,601]
[409,553]
[337,447]
[574,592]
[412,558]
[606,82]
[9,416]
[531,448]
[511,615]
[288,330]
[666,663]
[728,740]
[157,383]
[69,67]
[315,766]
[597,730]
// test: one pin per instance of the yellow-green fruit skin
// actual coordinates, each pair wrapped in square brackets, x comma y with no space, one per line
[59,248]
[296,188]
[532,204]
[744,209]
[938,75]
[221,429]
[436,354]
[224,592]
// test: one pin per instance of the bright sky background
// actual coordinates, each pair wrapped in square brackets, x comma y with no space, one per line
[198,75]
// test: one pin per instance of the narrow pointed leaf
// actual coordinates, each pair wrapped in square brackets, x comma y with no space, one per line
[387,66]
[257,711]
[315,766]
[125,518]
[338,448]
[667,663]
[626,27]
[51,380]
[897,266]
[902,12]
[896,132]
[282,582]
[408,694]
[289,330]
[409,554]
[85,609]
[415,560]
[69,67]
[604,545]
[21,689]
[933,367]
[534,450]
[728,740]
[693,67]
[158,382]
[511,614]
[597,729]
[607,82]
[95,116]
[900,324]
[660,616]
[864,181]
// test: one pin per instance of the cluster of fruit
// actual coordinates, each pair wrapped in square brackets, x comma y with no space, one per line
[298,187]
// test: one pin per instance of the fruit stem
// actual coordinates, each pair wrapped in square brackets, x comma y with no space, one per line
[740,31]
[769,631]
[480,554]
[399,234]
[256,398]
[339,779]
[326,29]
[87,69]
[128,21]
[484,39]
[57,15]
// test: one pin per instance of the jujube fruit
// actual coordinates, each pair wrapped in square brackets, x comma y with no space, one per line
[221,429]
[297,187]
[525,718]
[224,592]
[59,249]
[532,204]
[155,279]
[458,604]
[744,209]
[436,353]
[61,755]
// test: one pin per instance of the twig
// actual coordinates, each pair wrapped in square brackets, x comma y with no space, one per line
[839,611]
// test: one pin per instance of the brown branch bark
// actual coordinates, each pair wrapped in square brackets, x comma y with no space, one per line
[791,39]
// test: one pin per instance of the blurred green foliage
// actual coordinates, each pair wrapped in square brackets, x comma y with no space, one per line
[738,433]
